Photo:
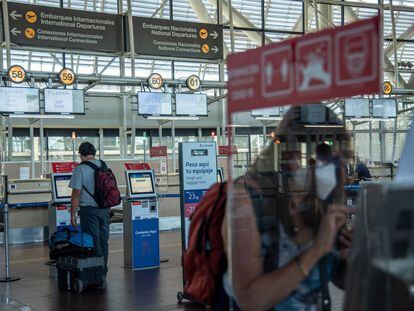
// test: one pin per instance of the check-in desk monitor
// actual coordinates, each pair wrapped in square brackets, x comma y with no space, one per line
[141,184]
[60,187]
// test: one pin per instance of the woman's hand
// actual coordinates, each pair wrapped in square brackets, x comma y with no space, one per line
[345,241]
[331,222]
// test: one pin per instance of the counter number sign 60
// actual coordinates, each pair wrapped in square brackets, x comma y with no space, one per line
[155,81]
[67,76]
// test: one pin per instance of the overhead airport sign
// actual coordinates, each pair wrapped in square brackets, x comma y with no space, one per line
[161,37]
[44,26]
[339,62]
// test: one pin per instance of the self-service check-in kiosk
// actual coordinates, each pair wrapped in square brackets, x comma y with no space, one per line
[141,224]
[59,207]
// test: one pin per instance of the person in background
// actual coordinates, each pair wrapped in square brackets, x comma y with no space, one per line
[361,173]
[93,220]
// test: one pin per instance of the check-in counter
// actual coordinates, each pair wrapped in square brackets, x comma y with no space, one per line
[28,214]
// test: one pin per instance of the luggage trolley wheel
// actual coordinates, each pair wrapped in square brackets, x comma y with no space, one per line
[77,286]
[102,285]
[180,297]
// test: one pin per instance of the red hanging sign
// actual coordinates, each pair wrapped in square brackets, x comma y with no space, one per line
[137,166]
[227,150]
[159,151]
[63,167]
[339,62]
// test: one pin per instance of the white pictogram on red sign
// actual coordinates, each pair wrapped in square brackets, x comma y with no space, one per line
[277,73]
[314,64]
[352,54]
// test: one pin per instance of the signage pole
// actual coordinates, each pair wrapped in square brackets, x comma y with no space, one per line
[6,31]
[42,147]
[7,278]
[231,27]
[131,38]
[173,145]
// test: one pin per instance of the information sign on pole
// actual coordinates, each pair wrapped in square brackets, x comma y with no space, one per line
[198,172]
[45,26]
[158,151]
[63,167]
[227,150]
[339,62]
[67,76]
[17,74]
[162,37]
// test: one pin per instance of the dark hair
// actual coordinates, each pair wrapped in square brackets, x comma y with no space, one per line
[323,151]
[86,149]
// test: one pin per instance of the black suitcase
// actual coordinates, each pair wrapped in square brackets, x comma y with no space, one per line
[76,274]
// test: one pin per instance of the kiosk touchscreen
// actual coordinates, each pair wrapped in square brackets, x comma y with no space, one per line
[59,207]
[141,224]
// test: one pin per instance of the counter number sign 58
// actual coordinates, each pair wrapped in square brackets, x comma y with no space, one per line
[17,74]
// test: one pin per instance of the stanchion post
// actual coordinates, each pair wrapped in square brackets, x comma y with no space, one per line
[8,277]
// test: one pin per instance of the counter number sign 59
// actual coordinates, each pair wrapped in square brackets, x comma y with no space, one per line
[67,76]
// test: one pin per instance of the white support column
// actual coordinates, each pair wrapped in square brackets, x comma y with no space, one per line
[173,145]
[101,144]
[160,134]
[121,142]
[123,135]
[32,151]
[10,140]
[42,147]
[133,134]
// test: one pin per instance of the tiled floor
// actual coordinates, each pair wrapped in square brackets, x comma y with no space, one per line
[154,289]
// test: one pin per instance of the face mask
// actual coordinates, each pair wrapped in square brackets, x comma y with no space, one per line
[325,180]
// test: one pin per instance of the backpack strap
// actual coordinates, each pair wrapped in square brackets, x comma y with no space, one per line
[103,165]
[326,298]
[91,165]
[206,221]
[95,168]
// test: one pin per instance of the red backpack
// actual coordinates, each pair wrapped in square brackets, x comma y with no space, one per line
[204,261]
[106,192]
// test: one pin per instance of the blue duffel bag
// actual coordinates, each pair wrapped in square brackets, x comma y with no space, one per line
[70,242]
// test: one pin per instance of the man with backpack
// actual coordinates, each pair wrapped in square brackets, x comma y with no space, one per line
[94,192]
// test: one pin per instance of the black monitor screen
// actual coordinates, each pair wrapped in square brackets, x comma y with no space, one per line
[357,108]
[384,108]
[64,101]
[313,114]
[19,100]
[141,183]
[154,104]
[191,104]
